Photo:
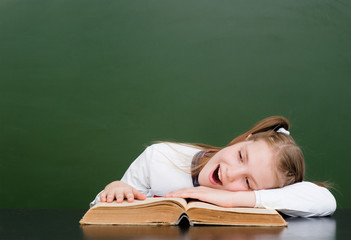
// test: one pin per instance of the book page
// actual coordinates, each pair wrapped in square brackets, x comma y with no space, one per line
[148,201]
[198,204]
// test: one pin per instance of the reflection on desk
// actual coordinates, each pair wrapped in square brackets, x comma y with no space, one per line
[57,224]
[310,228]
[298,228]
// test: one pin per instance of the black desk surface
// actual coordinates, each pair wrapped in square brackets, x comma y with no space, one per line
[63,224]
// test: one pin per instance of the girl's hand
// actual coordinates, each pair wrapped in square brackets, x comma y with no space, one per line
[119,190]
[218,197]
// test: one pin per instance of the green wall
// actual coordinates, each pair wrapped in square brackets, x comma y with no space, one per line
[85,85]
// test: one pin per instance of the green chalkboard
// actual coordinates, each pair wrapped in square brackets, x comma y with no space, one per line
[85,85]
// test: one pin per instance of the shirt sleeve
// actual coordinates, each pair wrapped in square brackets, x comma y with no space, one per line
[137,175]
[303,199]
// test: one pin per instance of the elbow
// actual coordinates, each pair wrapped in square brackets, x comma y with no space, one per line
[324,205]
[328,206]
[320,204]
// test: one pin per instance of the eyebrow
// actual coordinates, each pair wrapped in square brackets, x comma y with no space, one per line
[247,161]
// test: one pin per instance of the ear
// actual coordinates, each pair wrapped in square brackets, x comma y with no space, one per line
[248,137]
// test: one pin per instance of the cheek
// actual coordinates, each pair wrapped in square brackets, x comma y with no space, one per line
[205,170]
[270,181]
[212,162]
[229,159]
[235,187]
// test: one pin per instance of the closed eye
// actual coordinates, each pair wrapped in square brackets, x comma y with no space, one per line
[248,183]
[240,155]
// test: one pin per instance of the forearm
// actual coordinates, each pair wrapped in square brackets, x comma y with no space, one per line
[218,197]
[243,199]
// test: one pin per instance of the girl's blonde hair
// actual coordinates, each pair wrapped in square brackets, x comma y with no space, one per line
[289,157]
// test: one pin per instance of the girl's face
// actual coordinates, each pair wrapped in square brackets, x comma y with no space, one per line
[244,166]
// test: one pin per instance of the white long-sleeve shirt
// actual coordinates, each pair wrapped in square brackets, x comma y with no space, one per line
[165,167]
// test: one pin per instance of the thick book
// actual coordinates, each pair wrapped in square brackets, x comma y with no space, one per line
[172,211]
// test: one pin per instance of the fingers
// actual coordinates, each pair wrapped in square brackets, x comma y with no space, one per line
[183,193]
[173,194]
[103,196]
[119,191]
[138,195]
[194,192]
[129,195]
[110,196]
[119,197]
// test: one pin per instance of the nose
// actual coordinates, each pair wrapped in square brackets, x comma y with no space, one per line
[235,174]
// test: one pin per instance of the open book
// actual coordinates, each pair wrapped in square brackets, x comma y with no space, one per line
[172,211]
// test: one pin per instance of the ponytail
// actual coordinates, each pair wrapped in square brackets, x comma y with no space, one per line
[268,124]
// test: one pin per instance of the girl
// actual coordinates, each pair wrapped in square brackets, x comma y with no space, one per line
[260,168]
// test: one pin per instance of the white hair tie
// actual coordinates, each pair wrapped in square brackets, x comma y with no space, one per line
[283,130]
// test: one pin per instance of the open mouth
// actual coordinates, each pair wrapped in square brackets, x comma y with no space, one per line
[216,176]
